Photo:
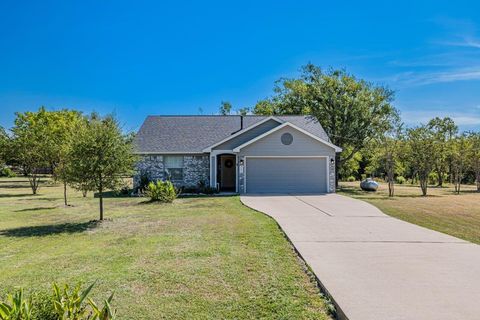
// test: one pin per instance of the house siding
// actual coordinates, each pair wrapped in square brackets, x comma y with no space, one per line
[302,145]
[248,135]
[196,169]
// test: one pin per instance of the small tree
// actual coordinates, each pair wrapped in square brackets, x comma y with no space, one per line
[444,130]
[460,156]
[225,108]
[389,148]
[61,132]
[474,155]
[31,144]
[100,156]
[420,150]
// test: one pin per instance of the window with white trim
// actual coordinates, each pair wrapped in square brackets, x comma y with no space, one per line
[173,167]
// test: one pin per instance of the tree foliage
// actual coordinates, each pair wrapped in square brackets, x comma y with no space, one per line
[100,156]
[443,130]
[225,108]
[32,144]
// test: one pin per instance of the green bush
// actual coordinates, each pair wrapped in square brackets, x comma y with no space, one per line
[432,178]
[7,172]
[203,187]
[401,180]
[351,179]
[162,191]
[42,307]
[144,181]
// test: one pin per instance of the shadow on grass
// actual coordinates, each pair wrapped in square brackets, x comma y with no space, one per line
[35,209]
[9,195]
[372,195]
[46,230]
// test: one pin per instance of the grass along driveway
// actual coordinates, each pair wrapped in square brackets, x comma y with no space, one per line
[441,210]
[199,258]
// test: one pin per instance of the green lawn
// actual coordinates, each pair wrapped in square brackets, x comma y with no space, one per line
[441,210]
[199,258]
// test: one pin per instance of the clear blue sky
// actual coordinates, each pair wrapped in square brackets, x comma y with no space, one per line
[138,58]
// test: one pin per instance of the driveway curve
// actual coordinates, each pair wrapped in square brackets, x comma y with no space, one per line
[374,266]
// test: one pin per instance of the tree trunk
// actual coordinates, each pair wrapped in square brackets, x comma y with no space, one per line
[100,193]
[423,184]
[65,194]
[34,181]
[440,177]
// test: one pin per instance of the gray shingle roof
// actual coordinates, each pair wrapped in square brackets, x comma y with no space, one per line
[190,134]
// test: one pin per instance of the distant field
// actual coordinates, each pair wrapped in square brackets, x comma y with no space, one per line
[199,258]
[441,210]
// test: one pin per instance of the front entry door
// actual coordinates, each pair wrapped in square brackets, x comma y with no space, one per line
[227,173]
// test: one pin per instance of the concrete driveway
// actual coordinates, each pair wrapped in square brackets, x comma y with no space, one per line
[375,266]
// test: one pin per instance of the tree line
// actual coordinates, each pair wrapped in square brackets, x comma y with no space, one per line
[88,153]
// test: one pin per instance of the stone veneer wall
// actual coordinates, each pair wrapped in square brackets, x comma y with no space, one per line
[196,168]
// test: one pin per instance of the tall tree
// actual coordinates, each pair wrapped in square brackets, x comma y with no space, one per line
[100,156]
[352,111]
[474,155]
[444,130]
[419,151]
[225,108]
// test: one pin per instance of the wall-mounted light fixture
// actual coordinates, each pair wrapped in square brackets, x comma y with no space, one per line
[241,162]
[332,160]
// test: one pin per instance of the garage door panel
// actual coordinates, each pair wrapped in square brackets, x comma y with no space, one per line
[286,175]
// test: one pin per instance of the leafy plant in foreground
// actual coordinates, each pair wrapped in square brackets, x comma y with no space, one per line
[17,307]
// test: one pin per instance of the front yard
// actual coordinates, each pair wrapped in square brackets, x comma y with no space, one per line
[200,258]
[441,210]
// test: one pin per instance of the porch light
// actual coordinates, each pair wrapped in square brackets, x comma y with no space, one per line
[332,160]
[241,162]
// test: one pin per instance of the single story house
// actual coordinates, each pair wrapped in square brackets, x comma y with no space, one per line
[243,154]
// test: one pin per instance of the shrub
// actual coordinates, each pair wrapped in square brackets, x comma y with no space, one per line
[432,178]
[203,187]
[162,191]
[43,307]
[7,172]
[351,179]
[400,180]
[144,181]
[73,304]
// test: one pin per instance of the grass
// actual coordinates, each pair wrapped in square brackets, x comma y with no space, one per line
[441,210]
[199,258]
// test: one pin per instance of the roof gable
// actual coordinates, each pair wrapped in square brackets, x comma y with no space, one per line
[288,124]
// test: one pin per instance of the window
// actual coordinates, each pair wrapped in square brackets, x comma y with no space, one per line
[173,167]
[287,138]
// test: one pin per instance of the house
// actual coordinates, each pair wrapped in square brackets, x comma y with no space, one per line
[244,154]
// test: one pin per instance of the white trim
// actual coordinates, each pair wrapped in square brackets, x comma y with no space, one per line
[209,149]
[213,173]
[168,153]
[245,168]
[237,149]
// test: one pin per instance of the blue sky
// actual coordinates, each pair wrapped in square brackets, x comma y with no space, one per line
[174,57]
